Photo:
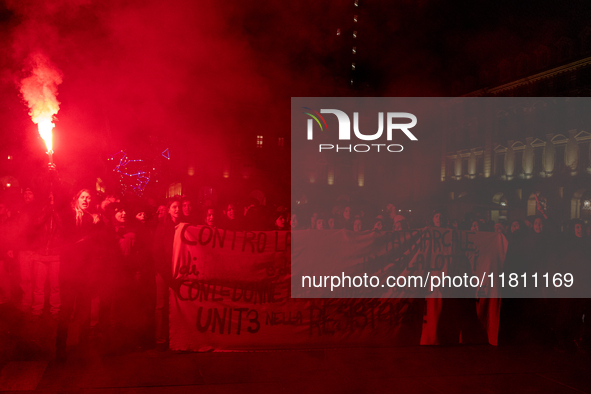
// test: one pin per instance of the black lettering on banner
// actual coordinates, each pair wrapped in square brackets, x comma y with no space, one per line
[221,321]
[234,296]
[221,238]
[254,320]
[283,318]
[437,241]
[277,243]
[213,297]
[261,245]
[445,233]
[426,240]
[202,328]
[319,320]
[249,237]
[240,310]
[210,235]
[184,238]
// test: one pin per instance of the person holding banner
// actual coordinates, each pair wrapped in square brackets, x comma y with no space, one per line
[163,242]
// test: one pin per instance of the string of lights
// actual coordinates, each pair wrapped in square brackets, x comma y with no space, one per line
[133,177]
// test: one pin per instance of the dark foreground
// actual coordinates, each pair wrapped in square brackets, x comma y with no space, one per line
[459,369]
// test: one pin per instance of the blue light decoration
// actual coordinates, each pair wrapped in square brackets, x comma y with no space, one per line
[133,176]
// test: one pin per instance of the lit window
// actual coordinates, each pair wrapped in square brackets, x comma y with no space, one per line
[354,33]
[353,66]
[338,32]
[280,142]
[259,141]
[351,82]
[9,157]
[354,50]
[356,3]
[355,18]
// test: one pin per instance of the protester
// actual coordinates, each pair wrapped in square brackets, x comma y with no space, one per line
[163,242]
[81,227]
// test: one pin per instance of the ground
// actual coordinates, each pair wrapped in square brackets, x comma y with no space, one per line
[27,364]
[514,369]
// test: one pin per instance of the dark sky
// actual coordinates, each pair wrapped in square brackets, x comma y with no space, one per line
[159,73]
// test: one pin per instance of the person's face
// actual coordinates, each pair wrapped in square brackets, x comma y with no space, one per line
[120,216]
[108,200]
[347,213]
[186,208]
[319,224]
[499,228]
[28,196]
[209,217]
[579,230]
[84,201]
[294,221]
[475,226]
[538,225]
[437,220]
[357,225]
[391,211]
[230,212]
[141,216]
[378,225]
[398,226]
[314,217]
[331,223]
[161,211]
[280,222]
[174,211]
[514,227]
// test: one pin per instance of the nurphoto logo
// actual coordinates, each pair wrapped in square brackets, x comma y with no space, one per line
[345,130]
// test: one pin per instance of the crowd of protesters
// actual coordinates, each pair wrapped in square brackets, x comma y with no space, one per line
[535,244]
[57,260]
[55,263]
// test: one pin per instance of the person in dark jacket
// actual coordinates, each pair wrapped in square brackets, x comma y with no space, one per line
[163,244]
[81,228]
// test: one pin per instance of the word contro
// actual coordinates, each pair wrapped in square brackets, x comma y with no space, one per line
[255,242]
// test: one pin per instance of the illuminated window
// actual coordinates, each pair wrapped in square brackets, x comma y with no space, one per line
[354,50]
[281,142]
[353,66]
[355,18]
[354,33]
[259,141]
[351,82]
[356,3]
[338,32]
[174,189]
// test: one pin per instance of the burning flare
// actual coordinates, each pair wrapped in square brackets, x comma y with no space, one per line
[39,90]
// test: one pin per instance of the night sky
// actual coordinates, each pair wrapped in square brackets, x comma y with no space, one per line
[147,75]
